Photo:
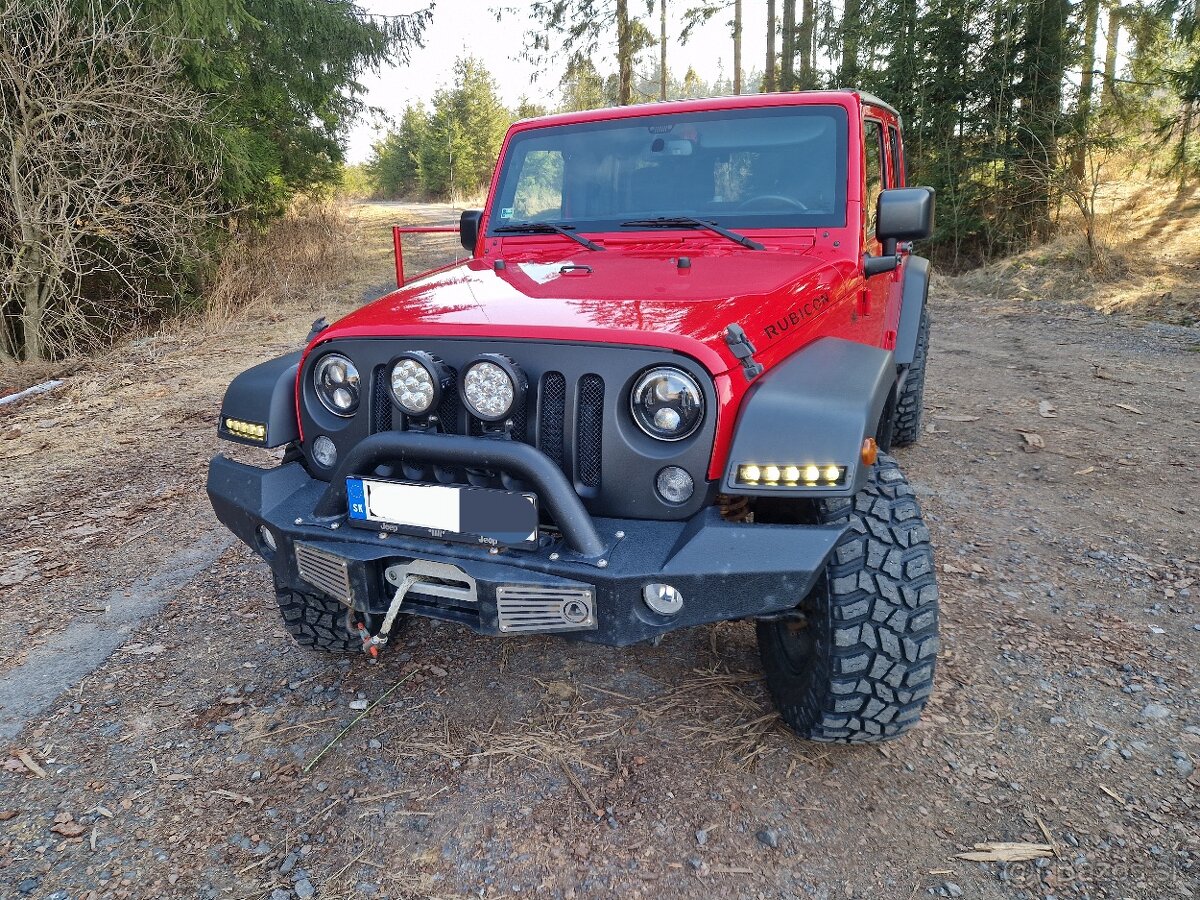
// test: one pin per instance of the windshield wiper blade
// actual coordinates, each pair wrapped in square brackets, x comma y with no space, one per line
[692,221]
[549,228]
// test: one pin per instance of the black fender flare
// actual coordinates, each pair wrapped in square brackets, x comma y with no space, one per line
[814,408]
[914,294]
[264,395]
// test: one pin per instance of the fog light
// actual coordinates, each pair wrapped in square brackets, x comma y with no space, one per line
[324,452]
[674,484]
[662,599]
[267,537]
[811,473]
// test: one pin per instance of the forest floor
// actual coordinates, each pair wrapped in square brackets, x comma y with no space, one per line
[162,736]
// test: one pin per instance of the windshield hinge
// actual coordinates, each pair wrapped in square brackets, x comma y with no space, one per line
[743,349]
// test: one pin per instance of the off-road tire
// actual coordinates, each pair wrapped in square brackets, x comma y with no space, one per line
[316,621]
[856,664]
[910,404]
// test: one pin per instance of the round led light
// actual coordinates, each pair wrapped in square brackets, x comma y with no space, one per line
[832,473]
[491,386]
[667,403]
[417,382]
[751,473]
[791,473]
[771,473]
[324,452]
[811,473]
[674,484]
[336,381]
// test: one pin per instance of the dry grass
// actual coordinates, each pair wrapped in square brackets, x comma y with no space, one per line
[284,262]
[1148,241]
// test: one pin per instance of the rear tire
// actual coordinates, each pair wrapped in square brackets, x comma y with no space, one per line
[910,404]
[316,621]
[856,664]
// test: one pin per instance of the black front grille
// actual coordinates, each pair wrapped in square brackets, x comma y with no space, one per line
[553,411]
[589,431]
[554,432]
[576,412]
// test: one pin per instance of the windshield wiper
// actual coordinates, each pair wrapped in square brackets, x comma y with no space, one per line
[693,222]
[549,228]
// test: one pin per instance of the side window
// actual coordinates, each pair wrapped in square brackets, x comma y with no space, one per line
[899,176]
[539,188]
[873,135]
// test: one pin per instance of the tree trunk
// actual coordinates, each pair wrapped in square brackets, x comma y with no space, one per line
[1091,16]
[1112,39]
[33,303]
[804,37]
[662,55]
[624,54]
[787,62]
[737,46]
[1044,62]
[851,19]
[769,71]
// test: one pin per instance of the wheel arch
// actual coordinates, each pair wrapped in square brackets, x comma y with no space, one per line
[914,295]
[817,407]
[266,395]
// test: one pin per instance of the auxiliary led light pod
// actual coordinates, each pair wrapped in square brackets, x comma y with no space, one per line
[251,431]
[791,475]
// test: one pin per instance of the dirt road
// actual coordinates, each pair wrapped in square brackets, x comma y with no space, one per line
[180,732]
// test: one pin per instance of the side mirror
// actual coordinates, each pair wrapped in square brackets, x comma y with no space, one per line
[903,214]
[468,228]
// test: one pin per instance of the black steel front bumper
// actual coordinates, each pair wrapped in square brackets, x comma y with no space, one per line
[724,570]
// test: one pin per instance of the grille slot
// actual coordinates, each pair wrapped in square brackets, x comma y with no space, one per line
[589,431]
[381,403]
[529,608]
[553,409]
[448,410]
[324,571]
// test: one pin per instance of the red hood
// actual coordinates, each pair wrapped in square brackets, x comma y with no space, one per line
[632,296]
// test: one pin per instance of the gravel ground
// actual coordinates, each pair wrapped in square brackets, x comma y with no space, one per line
[166,739]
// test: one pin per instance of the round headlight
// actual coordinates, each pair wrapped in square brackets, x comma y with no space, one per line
[337,384]
[418,380]
[491,386]
[667,404]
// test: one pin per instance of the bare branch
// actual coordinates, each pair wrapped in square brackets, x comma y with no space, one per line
[105,174]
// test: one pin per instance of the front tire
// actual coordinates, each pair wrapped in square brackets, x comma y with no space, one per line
[910,403]
[316,621]
[856,664]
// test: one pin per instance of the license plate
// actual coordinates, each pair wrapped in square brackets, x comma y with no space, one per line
[476,515]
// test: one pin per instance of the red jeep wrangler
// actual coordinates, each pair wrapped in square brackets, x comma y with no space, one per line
[660,393]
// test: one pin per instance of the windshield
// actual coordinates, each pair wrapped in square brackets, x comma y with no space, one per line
[782,167]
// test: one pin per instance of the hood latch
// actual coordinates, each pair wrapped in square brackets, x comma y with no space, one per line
[742,347]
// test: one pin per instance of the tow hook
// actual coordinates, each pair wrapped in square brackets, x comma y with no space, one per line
[373,642]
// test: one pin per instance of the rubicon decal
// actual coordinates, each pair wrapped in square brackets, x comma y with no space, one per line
[795,316]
